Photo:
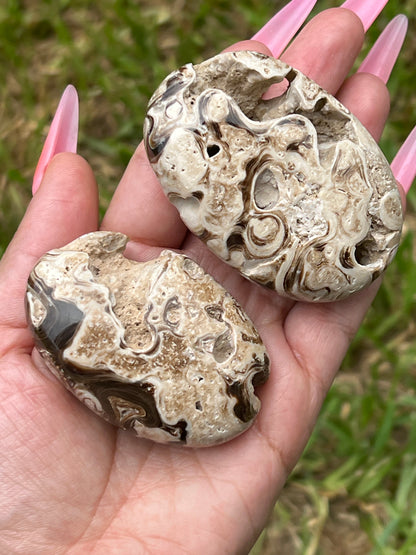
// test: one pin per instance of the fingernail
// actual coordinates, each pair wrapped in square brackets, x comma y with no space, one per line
[383,55]
[404,163]
[62,136]
[367,10]
[279,30]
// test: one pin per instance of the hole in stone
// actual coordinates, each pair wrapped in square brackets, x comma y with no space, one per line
[276,90]
[266,192]
[198,405]
[212,150]
[366,252]
[188,208]
[223,346]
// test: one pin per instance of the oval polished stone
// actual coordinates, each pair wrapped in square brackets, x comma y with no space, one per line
[292,191]
[158,347]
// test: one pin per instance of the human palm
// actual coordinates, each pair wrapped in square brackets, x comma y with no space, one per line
[72,483]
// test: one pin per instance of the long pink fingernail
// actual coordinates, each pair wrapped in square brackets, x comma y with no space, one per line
[62,136]
[367,10]
[404,163]
[279,30]
[383,55]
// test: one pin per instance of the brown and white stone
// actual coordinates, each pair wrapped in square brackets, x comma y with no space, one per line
[159,347]
[293,191]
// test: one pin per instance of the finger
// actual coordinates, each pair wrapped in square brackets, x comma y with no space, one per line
[140,209]
[64,207]
[365,93]
[327,47]
[368,99]
[249,45]
[281,28]
[404,163]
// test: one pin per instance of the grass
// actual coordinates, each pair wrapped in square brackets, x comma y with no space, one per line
[354,490]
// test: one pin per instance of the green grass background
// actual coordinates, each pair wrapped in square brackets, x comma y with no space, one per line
[354,490]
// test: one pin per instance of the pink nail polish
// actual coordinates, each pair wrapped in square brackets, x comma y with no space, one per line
[383,55]
[367,10]
[278,32]
[404,163]
[62,136]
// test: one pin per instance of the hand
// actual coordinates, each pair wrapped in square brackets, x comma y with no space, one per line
[72,483]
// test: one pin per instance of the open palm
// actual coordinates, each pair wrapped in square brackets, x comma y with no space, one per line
[72,483]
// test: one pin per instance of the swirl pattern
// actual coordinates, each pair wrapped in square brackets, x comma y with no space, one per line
[157,347]
[291,191]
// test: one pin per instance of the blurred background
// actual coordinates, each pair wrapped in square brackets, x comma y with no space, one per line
[354,490]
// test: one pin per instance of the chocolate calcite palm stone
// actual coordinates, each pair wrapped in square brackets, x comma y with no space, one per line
[158,347]
[292,191]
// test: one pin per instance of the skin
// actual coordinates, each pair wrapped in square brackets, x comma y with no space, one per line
[71,483]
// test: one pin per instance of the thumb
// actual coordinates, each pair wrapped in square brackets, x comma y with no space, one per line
[64,207]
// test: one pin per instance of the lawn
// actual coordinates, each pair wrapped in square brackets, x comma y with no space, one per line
[354,490]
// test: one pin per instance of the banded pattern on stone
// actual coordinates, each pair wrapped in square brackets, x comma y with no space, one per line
[292,191]
[158,347]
